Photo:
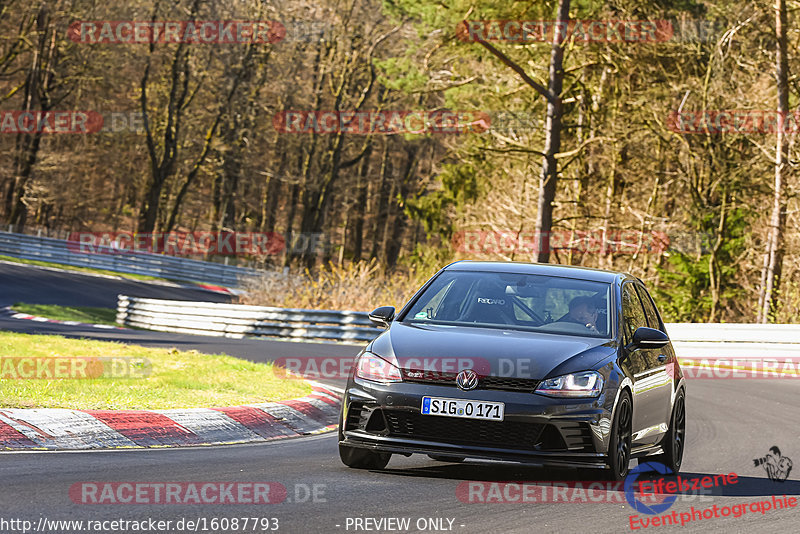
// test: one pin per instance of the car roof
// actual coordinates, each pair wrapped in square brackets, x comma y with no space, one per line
[515,267]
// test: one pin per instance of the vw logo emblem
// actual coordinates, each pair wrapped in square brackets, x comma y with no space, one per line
[467,379]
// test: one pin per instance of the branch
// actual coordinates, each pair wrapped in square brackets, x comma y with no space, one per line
[580,147]
[770,157]
[351,162]
[511,150]
[452,85]
[541,89]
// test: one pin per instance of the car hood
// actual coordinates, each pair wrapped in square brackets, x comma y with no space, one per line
[490,351]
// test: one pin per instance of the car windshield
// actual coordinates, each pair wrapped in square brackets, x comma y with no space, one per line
[532,302]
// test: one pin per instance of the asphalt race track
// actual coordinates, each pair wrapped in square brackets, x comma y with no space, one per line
[23,283]
[730,423]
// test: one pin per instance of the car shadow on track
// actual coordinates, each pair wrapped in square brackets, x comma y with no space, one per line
[745,486]
[493,472]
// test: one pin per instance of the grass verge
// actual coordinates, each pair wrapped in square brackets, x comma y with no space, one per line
[82,314]
[176,379]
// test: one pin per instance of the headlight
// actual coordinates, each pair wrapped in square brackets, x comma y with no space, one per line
[372,367]
[584,384]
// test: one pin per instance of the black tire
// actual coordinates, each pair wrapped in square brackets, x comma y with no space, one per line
[362,458]
[675,438]
[619,447]
[442,458]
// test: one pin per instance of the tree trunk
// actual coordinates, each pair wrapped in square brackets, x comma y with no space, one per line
[242,75]
[714,274]
[272,189]
[361,206]
[552,143]
[290,213]
[774,253]
[395,242]
[37,98]
[162,166]
[381,212]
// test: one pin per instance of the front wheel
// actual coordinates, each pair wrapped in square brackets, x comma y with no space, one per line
[362,458]
[675,438]
[619,448]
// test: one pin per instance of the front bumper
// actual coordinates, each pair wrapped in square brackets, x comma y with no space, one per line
[536,429]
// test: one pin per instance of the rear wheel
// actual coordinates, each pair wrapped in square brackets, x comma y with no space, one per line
[362,458]
[451,459]
[675,438]
[619,448]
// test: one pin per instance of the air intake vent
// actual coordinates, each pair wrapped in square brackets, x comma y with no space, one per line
[501,434]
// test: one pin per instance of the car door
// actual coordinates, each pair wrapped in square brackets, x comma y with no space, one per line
[648,374]
[664,357]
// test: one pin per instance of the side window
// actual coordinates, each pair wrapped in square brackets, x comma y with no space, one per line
[632,313]
[649,309]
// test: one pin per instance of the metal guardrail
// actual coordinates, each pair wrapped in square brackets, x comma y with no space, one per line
[734,332]
[734,341]
[691,340]
[236,320]
[158,265]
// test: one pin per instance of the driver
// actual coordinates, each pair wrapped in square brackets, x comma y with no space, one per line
[582,311]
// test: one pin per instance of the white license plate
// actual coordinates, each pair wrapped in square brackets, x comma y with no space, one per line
[468,409]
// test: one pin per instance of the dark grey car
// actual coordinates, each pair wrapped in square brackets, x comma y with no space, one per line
[543,364]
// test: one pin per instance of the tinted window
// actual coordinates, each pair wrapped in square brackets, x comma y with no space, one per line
[632,313]
[649,309]
[434,306]
[517,301]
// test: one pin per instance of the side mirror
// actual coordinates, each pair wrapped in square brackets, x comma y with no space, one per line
[649,338]
[382,316]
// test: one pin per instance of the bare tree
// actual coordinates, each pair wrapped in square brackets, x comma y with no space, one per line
[552,143]
[773,257]
[41,90]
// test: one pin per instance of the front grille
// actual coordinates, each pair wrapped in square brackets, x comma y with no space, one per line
[501,434]
[429,377]
[509,383]
[505,383]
